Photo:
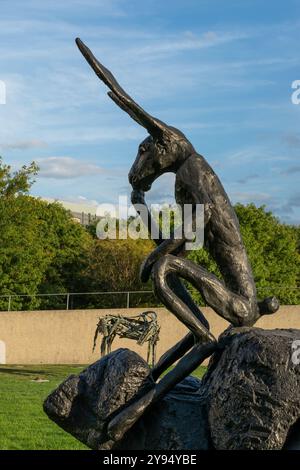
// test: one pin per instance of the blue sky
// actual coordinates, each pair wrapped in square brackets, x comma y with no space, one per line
[221,71]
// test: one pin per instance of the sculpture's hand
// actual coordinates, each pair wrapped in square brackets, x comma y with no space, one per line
[146,268]
[138,198]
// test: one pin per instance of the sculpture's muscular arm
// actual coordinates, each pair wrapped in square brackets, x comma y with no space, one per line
[172,246]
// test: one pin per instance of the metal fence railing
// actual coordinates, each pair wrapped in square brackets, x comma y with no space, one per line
[67,298]
[116,299]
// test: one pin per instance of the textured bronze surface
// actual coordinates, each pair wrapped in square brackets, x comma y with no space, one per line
[234,298]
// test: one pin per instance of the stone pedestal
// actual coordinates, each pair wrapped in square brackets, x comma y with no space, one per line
[248,399]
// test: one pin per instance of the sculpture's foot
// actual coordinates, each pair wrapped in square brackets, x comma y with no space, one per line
[123,421]
[268,306]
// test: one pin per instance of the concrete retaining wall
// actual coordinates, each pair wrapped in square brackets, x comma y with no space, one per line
[66,337]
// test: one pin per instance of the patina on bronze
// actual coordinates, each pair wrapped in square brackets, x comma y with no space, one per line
[167,149]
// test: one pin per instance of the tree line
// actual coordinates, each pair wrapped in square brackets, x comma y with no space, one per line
[44,251]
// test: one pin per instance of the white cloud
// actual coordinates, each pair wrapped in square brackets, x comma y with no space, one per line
[66,168]
[23,145]
[254,154]
[247,197]
[59,97]
[77,204]
[187,42]
[109,8]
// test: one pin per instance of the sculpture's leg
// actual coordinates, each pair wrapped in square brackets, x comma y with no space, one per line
[228,304]
[122,422]
[111,339]
[153,354]
[148,352]
[177,351]
[103,346]
[183,294]
[172,355]
[201,350]
[236,309]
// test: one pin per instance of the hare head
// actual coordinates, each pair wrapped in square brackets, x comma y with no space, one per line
[164,150]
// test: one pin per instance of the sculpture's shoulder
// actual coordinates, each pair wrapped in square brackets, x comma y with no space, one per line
[196,177]
[190,171]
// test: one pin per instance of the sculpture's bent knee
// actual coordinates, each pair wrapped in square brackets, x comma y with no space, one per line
[159,274]
[161,268]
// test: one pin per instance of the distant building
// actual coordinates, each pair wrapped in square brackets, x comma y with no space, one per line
[82,213]
[83,218]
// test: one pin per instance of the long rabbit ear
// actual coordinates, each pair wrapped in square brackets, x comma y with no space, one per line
[154,126]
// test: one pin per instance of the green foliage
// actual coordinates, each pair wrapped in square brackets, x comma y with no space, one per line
[17,182]
[67,245]
[273,250]
[114,265]
[21,260]
[41,246]
[42,251]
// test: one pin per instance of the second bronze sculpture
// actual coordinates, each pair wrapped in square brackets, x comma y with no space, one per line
[166,149]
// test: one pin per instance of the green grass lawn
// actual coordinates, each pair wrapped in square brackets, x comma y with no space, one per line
[23,423]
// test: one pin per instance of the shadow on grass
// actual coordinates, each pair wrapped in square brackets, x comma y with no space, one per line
[6,370]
